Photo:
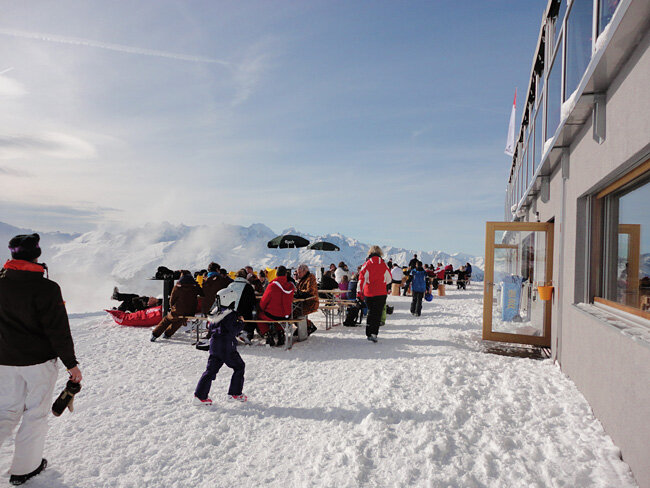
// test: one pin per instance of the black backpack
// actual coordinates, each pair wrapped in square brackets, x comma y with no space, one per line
[353,316]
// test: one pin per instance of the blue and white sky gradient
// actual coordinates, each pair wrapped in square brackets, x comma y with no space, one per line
[383,121]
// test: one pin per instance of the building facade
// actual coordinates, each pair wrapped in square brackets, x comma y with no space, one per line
[581,169]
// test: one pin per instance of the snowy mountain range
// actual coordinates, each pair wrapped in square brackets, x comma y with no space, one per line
[88,265]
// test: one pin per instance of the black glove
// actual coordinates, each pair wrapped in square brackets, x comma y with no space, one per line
[66,398]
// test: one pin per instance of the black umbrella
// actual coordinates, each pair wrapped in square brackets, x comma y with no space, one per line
[324,246]
[287,241]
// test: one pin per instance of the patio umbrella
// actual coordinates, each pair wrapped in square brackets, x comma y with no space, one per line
[287,241]
[323,246]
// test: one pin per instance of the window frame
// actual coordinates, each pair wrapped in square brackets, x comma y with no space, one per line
[604,218]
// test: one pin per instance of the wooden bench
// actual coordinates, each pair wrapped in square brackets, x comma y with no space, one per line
[334,308]
[287,326]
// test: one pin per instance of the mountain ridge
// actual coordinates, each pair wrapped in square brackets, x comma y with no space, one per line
[88,265]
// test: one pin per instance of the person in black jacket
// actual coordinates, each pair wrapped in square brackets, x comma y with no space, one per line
[34,332]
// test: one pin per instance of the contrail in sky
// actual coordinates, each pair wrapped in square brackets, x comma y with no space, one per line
[6,70]
[76,41]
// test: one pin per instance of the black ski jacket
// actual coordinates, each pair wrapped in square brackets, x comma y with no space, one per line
[34,324]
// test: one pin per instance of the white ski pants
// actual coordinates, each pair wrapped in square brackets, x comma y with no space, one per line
[26,391]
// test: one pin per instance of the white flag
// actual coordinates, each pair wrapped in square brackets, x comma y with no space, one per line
[510,143]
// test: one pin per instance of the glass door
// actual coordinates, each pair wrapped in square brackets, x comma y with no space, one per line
[518,259]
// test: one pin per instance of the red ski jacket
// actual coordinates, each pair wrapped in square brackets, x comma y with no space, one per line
[278,297]
[373,277]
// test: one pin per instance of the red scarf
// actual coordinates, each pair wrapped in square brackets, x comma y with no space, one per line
[21,265]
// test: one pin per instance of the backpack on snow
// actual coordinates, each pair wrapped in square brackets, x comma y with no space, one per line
[353,316]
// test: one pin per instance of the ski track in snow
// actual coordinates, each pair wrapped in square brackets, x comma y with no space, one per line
[423,407]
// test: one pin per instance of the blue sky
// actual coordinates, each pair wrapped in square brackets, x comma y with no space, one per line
[384,121]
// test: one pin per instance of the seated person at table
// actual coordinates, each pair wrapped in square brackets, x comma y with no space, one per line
[340,272]
[183,301]
[254,280]
[211,285]
[224,273]
[327,283]
[132,302]
[344,285]
[263,279]
[277,301]
[307,289]
[352,286]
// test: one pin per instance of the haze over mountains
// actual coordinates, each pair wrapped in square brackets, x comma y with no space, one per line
[88,265]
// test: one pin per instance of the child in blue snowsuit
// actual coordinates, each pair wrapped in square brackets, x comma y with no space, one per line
[418,288]
[223,350]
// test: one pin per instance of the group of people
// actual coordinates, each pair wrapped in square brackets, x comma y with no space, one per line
[277,304]
[34,329]
[401,275]
[422,278]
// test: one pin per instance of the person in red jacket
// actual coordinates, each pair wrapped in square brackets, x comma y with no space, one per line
[277,301]
[373,278]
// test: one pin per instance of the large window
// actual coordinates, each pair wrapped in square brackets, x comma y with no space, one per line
[554,102]
[579,39]
[539,137]
[625,277]
[560,20]
[606,12]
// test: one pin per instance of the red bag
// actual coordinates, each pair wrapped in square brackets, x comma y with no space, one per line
[142,318]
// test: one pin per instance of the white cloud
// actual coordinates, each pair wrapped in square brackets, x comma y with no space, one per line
[11,88]
[248,72]
[49,144]
[4,170]
[77,41]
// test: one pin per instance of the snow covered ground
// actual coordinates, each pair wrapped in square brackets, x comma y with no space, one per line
[423,407]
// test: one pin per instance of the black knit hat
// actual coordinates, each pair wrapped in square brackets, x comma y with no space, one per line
[25,247]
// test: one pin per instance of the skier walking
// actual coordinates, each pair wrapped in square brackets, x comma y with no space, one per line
[223,350]
[34,332]
[373,278]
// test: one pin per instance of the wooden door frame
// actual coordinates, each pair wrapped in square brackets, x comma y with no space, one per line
[633,231]
[490,230]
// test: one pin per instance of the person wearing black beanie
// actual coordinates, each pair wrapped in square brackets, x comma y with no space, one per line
[34,333]
[25,247]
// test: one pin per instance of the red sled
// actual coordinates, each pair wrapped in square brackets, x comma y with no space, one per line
[142,318]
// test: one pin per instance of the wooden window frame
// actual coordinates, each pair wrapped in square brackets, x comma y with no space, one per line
[630,229]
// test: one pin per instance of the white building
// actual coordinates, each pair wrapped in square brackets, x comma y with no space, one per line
[578,215]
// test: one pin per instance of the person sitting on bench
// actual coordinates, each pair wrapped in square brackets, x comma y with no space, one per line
[255,282]
[183,301]
[307,289]
[214,282]
[327,282]
[277,301]
[132,302]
